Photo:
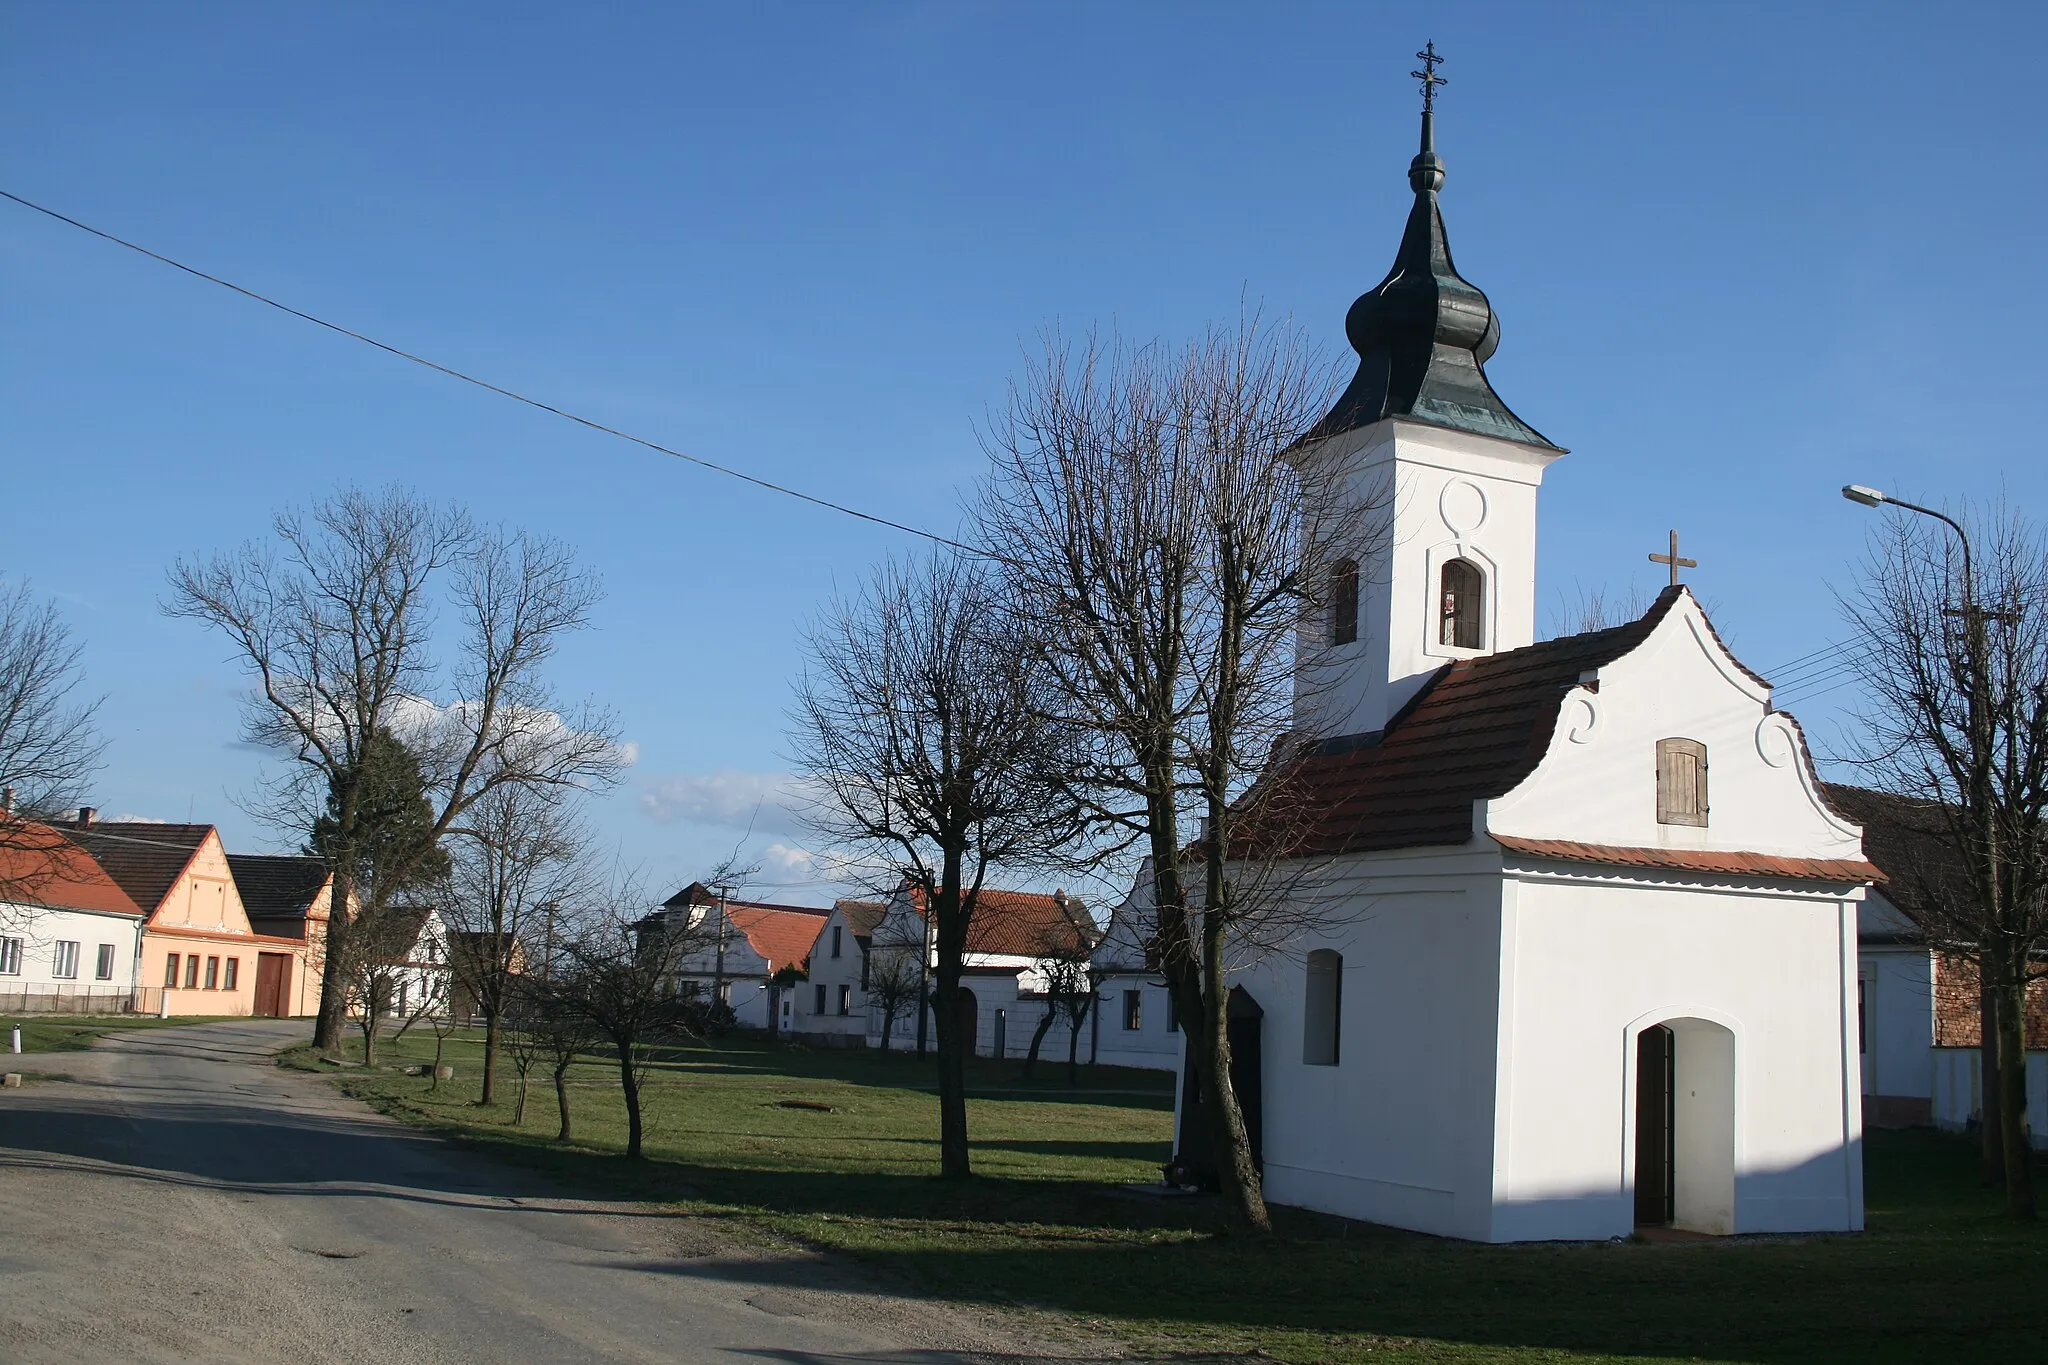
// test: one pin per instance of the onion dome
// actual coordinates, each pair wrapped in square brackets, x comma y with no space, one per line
[1424,334]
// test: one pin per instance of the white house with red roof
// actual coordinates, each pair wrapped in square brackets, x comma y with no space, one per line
[70,937]
[737,948]
[1010,938]
[830,1007]
[1580,938]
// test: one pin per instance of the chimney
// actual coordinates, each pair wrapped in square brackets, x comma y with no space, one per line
[85,815]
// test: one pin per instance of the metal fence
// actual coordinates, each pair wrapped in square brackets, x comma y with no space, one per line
[72,1000]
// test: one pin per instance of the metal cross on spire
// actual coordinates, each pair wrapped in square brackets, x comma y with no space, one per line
[1674,561]
[1430,80]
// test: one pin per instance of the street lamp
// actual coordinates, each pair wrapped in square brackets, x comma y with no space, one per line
[1977,792]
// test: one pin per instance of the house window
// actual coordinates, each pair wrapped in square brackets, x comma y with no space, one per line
[1134,1010]
[64,963]
[1323,1008]
[1861,1045]
[835,940]
[1681,782]
[402,988]
[10,957]
[818,1005]
[845,998]
[1344,602]
[103,964]
[234,970]
[191,971]
[212,973]
[1462,606]
[170,971]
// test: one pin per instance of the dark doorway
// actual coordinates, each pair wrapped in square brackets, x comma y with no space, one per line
[1655,1122]
[967,1013]
[273,985]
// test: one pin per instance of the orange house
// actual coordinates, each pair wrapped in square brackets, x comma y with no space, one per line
[199,952]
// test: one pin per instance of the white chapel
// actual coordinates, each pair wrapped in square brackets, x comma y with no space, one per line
[1589,961]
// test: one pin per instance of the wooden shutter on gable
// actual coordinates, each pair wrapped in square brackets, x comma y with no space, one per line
[1681,782]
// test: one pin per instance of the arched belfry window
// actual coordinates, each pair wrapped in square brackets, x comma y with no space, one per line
[1461,605]
[1344,602]
[1323,1008]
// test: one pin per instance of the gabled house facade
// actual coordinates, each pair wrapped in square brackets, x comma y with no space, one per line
[829,1007]
[199,952]
[70,937]
[1010,941]
[734,950]
[1134,1020]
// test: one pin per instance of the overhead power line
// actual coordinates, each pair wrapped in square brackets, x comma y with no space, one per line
[485,384]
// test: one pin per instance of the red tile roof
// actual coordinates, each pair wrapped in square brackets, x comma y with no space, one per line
[1910,839]
[1026,924]
[783,934]
[40,866]
[1711,861]
[1474,732]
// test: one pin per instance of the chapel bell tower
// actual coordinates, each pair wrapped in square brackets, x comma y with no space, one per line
[1429,544]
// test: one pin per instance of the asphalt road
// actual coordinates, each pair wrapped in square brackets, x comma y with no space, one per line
[182,1199]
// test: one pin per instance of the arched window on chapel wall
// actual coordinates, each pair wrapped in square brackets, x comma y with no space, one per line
[1344,602]
[1461,605]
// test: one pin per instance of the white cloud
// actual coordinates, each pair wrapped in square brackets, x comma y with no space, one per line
[769,802]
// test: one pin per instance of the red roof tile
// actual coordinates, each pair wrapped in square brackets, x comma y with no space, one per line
[1712,861]
[783,934]
[1474,732]
[1026,924]
[40,866]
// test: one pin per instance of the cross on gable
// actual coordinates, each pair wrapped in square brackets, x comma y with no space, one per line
[1674,561]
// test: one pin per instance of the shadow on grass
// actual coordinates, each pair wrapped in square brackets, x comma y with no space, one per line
[1939,1267]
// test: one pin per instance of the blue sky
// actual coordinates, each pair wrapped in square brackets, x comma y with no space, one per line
[1742,255]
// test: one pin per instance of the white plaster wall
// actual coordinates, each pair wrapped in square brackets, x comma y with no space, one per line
[1957,1081]
[1152,1046]
[1598,781]
[1489,519]
[1398,1132]
[1588,963]
[41,928]
[1898,1022]
[832,973]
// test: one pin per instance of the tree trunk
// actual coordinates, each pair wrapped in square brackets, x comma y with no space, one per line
[630,1082]
[562,1096]
[1038,1040]
[490,1090]
[2012,1095]
[371,1018]
[334,983]
[440,1041]
[519,1104]
[1236,1173]
[888,1023]
[1074,1049]
[1991,1126]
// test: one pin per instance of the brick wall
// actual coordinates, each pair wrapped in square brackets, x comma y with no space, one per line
[1957,1009]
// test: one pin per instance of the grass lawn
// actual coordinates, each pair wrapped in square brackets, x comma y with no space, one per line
[76,1032]
[1042,1226]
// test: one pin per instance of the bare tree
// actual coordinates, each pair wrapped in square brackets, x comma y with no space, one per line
[334,618]
[618,979]
[49,743]
[895,981]
[518,850]
[921,722]
[1068,991]
[1958,651]
[1170,560]
[543,1029]
[387,979]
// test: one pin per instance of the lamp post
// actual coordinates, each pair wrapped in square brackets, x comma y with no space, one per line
[1981,758]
